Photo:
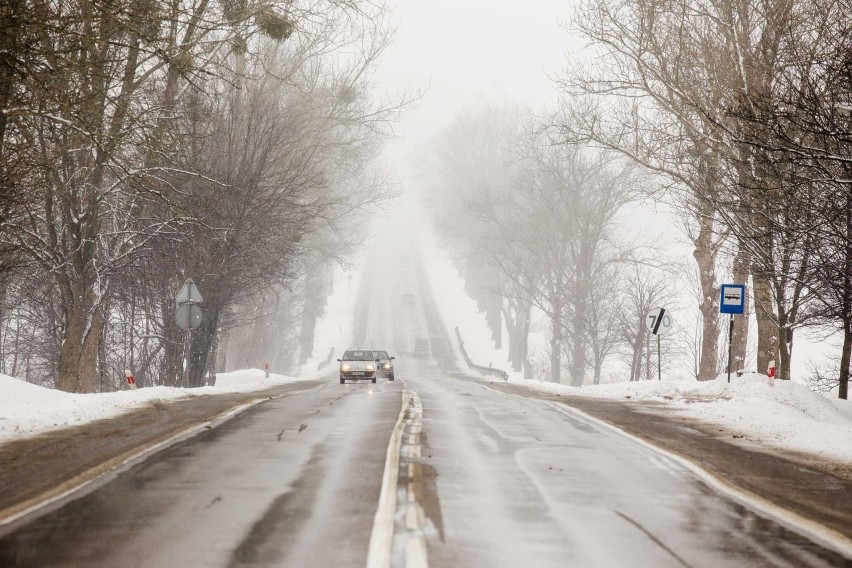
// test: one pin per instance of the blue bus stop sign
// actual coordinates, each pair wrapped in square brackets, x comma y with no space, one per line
[733,300]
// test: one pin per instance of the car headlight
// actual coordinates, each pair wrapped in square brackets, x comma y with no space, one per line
[344,367]
[388,366]
[370,368]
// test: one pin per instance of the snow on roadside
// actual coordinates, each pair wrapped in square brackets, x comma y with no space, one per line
[781,414]
[27,409]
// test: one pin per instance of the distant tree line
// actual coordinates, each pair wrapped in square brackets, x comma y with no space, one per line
[536,224]
[145,142]
[740,115]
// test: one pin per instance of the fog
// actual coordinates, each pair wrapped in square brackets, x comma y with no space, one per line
[583,162]
[460,57]
[462,53]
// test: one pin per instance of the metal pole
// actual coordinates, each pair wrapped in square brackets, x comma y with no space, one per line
[730,343]
[185,372]
[659,361]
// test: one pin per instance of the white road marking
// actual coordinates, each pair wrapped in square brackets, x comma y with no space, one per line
[415,547]
[381,539]
[412,521]
[404,444]
[415,553]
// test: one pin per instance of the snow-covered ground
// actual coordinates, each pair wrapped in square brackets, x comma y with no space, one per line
[27,409]
[774,413]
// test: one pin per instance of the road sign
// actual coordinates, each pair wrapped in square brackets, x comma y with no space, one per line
[189,294]
[733,299]
[188,316]
[659,321]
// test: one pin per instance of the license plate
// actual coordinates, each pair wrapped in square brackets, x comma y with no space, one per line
[357,373]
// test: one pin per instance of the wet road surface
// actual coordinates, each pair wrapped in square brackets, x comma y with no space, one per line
[515,481]
[291,482]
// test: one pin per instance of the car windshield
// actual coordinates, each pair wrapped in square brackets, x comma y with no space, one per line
[358,356]
[381,354]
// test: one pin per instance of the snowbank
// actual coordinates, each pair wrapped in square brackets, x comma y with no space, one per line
[781,414]
[27,409]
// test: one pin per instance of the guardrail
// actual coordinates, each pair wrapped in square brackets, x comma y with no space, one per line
[487,370]
[327,360]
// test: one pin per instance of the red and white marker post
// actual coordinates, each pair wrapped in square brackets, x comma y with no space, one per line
[131,380]
[770,371]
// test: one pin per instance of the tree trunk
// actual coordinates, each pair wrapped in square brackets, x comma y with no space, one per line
[518,328]
[78,356]
[636,361]
[222,353]
[494,316]
[705,257]
[767,329]
[845,356]
[739,341]
[171,366]
[578,345]
[647,356]
[314,299]
[200,344]
[785,350]
[596,379]
[214,354]
[556,341]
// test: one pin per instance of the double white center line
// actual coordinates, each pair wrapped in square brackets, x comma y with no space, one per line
[401,478]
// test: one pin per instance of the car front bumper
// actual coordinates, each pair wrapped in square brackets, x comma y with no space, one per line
[358,375]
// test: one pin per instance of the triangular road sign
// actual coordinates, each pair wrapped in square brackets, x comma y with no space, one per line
[189,294]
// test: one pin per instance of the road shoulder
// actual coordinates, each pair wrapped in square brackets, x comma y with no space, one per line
[41,468]
[812,487]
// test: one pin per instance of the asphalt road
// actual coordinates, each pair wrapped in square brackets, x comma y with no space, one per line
[511,480]
[293,482]
[488,475]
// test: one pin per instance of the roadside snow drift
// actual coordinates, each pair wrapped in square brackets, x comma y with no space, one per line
[27,409]
[778,413]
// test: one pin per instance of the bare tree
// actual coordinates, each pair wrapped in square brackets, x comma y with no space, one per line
[125,129]
[699,81]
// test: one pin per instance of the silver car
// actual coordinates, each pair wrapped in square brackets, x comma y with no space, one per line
[384,364]
[357,365]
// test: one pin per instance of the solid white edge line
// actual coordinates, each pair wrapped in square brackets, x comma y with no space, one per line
[139,456]
[381,539]
[810,529]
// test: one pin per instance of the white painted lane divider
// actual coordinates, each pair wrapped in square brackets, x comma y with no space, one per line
[415,542]
[401,479]
[381,539]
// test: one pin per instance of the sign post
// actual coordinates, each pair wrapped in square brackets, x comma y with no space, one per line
[188,316]
[732,301]
[659,322]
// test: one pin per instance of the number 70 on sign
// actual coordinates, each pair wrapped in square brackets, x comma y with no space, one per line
[659,321]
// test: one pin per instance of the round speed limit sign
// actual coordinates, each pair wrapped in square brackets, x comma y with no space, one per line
[659,321]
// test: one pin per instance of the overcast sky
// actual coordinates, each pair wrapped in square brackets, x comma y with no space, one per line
[465,50]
